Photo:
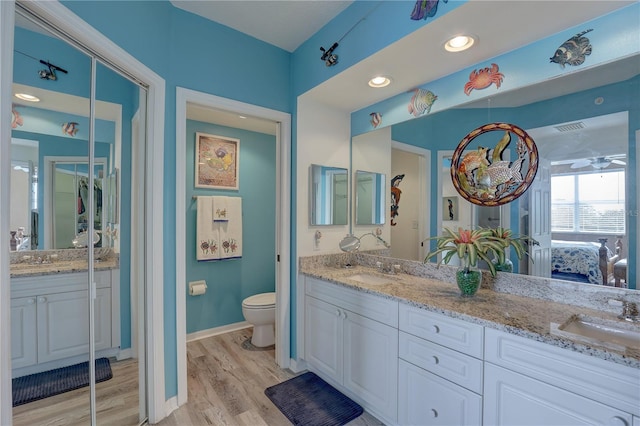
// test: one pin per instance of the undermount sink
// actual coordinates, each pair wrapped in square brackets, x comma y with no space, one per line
[613,334]
[370,279]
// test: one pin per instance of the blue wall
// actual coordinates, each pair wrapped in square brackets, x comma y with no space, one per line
[191,52]
[229,281]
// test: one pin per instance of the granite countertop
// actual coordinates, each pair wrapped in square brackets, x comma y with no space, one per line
[65,266]
[516,314]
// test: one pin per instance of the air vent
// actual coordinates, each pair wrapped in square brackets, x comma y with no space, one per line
[570,127]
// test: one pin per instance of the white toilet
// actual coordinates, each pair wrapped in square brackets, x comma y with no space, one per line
[260,310]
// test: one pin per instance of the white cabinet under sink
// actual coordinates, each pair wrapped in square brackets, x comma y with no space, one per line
[50,319]
[351,340]
[532,383]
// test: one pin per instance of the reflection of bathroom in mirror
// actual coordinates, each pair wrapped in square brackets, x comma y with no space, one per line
[328,195]
[587,145]
[370,189]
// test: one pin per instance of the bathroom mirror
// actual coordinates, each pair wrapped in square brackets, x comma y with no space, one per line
[370,189]
[328,195]
[577,120]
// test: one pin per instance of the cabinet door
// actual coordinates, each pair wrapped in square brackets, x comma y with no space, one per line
[426,399]
[370,363]
[513,399]
[63,324]
[24,349]
[323,338]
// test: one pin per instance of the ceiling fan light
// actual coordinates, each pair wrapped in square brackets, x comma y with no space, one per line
[27,97]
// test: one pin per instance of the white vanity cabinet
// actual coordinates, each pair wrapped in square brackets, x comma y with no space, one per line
[50,318]
[440,369]
[532,383]
[351,340]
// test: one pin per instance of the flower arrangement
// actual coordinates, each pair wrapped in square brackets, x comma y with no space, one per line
[469,245]
[506,237]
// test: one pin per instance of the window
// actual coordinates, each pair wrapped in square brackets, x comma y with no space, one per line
[588,202]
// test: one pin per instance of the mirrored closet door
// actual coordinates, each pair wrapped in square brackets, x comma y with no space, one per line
[77,305]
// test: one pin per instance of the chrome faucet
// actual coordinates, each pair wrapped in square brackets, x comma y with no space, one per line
[629,312]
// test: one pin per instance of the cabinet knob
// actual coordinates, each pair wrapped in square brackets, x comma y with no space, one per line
[435,329]
[31,301]
[617,421]
[42,299]
[338,313]
[434,413]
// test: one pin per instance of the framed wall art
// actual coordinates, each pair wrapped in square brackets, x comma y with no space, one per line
[217,162]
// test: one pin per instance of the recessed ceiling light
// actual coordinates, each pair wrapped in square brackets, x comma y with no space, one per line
[459,43]
[379,81]
[27,97]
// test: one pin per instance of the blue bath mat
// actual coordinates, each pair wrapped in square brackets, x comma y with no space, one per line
[53,382]
[310,401]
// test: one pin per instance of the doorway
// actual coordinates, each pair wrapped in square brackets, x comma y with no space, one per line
[282,122]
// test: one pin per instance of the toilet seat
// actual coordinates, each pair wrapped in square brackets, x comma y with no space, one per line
[260,301]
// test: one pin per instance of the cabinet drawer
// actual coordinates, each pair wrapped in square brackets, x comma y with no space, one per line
[450,332]
[426,399]
[368,305]
[457,367]
[606,382]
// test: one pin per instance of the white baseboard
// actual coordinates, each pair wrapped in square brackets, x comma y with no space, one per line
[124,354]
[170,405]
[202,334]
[297,366]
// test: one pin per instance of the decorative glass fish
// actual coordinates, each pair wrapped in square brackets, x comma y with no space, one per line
[70,128]
[424,9]
[421,102]
[376,119]
[573,51]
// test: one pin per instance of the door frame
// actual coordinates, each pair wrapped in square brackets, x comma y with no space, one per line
[283,213]
[62,18]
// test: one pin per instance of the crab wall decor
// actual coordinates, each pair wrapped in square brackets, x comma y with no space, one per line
[483,78]
[483,177]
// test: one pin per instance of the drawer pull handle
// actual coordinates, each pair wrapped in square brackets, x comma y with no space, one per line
[617,421]
[435,360]
[435,329]
[434,413]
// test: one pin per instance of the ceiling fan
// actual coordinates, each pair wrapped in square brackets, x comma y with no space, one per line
[598,162]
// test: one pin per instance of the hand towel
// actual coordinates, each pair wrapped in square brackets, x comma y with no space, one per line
[220,208]
[207,232]
[231,230]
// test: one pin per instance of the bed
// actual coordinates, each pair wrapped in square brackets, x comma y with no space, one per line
[588,262]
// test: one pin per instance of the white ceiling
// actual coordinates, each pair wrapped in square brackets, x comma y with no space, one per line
[283,23]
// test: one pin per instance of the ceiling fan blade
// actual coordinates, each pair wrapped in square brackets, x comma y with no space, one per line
[622,163]
[578,164]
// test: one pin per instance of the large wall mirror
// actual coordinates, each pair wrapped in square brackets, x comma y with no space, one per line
[584,124]
[328,195]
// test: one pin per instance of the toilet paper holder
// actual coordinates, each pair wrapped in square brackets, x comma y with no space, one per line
[197,288]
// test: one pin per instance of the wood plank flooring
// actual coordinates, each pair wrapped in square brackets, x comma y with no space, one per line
[226,385]
[116,402]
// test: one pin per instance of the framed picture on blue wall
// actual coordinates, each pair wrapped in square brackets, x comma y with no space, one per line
[217,162]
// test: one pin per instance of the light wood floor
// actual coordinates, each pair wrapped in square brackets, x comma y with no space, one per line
[116,402]
[226,385]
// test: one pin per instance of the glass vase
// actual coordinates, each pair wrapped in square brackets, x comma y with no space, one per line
[506,266]
[468,279]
